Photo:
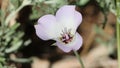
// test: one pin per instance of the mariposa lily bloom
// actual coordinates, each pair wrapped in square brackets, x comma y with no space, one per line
[61,28]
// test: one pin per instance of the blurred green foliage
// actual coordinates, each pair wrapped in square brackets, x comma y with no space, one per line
[106,7]
[11,38]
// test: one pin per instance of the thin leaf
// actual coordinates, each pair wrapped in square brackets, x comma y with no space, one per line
[14,47]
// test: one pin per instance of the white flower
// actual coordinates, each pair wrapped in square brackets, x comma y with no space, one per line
[62,28]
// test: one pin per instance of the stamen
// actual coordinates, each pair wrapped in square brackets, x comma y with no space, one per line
[66,36]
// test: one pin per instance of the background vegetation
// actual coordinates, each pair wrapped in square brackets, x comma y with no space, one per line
[19,43]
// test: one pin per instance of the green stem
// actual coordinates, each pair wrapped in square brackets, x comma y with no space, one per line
[118,43]
[118,32]
[22,60]
[78,57]
[12,14]
[9,17]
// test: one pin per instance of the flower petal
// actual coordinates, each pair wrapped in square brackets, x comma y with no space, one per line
[41,33]
[68,17]
[45,29]
[47,19]
[75,45]
[78,42]
[66,12]
[65,15]
[63,47]
[78,18]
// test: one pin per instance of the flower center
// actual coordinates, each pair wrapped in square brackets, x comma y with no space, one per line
[66,36]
